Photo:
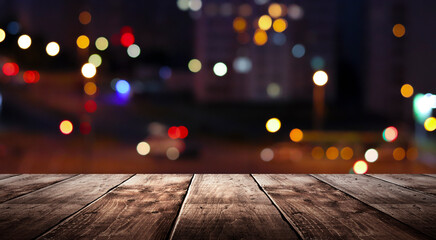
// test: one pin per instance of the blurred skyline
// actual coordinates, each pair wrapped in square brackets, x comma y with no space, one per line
[119,75]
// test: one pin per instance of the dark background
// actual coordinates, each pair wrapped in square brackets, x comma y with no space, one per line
[352,41]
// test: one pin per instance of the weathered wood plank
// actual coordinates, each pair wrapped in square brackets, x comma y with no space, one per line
[144,207]
[418,182]
[416,209]
[319,211]
[3,176]
[26,183]
[31,215]
[229,206]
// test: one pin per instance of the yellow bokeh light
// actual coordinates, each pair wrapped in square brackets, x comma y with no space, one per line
[430,124]
[239,24]
[85,17]
[399,30]
[90,88]
[24,41]
[407,90]
[66,127]
[101,43]
[143,148]
[412,153]
[273,125]
[260,37]
[52,49]
[89,70]
[320,78]
[95,59]
[317,152]
[360,167]
[347,153]
[275,10]
[264,22]
[2,35]
[332,153]
[280,25]
[82,41]
[399,153]
[194,65]
[296,135]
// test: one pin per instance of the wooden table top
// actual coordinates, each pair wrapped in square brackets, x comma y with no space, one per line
[217,206]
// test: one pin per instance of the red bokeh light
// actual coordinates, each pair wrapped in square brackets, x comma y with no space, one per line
[90,106]
[177,132]
[31,76]
[85,128]
[183,132]
[127,39]
[174,132]
[10,69]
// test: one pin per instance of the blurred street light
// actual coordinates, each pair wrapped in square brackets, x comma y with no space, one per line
[320,78]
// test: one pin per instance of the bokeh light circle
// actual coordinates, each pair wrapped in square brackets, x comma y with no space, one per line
[101,43]
[173,153]
[332,153]
[82,42]
[267,154]
[122,86]
[390,134]
[399,30]
[52,49]
[2,35]
[133,51]
[143,148]
[273,125]
[24,41]
[371,155]
[296,135]
[360,167]
[430,124]
[320,78]
[265,22]
[220,69]
[89,70]
[66,127]
[399,153]
[95,60]
[347,153]
[194,65]
[407,90]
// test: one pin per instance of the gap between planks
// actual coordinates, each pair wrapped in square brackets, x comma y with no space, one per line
[37,189]
[83,208]
[282,213]
[177,218]
[412,219]
[413,188]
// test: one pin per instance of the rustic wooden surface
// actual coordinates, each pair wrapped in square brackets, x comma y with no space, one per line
[214,206]
[413,208]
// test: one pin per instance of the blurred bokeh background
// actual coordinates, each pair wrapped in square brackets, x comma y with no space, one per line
[214,86]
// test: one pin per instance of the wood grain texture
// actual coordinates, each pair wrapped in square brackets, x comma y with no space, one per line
[319,211]
[229,206]
[26,183]
[3,176]
[31,215]
[144,207]
[415,209]
[418,182]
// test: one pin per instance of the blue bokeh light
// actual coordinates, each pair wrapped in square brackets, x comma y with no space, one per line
[122,86]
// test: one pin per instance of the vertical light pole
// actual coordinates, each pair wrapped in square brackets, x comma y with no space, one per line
[320,78]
